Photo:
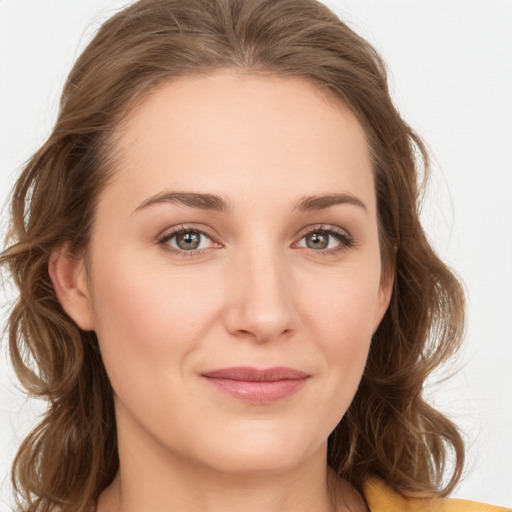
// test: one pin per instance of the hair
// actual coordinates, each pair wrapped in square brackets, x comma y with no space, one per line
[389,430]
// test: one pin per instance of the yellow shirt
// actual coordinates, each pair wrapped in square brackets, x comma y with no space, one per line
[381,498]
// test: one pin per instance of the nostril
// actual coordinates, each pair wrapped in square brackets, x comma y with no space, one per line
[259,337]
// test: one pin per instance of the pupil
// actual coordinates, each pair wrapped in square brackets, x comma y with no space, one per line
[188,240]
[318,241]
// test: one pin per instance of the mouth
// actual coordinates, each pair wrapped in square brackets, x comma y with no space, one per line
[257,386]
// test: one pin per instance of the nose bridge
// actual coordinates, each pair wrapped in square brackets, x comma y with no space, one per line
[262,302]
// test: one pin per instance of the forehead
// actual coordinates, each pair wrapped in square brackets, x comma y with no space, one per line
[251,135]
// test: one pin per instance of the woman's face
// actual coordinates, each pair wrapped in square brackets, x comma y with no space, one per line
[234,275]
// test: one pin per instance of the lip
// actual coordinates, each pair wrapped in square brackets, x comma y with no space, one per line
[257,386]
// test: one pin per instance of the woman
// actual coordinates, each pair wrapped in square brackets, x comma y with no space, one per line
[223,279]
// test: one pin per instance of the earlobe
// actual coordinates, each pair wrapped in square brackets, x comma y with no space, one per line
[69,278]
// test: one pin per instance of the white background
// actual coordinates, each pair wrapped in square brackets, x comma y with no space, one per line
[450,65]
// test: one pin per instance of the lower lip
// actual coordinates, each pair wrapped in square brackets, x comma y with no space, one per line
[258,392]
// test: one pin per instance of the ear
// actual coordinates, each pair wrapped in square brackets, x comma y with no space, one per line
[69,278]
[383,297]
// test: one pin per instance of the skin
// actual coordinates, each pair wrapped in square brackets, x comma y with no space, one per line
[257,292]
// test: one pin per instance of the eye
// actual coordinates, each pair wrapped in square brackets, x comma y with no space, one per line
[326,239]
[186,240]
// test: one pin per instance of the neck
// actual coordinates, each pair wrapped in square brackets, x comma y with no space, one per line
[229,495]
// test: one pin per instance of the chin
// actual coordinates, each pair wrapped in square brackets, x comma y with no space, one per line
[261,452]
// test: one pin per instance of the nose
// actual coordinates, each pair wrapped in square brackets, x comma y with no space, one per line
[261,298]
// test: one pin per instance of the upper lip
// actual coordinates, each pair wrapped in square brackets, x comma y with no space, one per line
[249,374]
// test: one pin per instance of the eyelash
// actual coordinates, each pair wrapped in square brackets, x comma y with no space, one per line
[346,240]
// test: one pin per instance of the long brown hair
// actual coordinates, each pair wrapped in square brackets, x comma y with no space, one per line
[389,430]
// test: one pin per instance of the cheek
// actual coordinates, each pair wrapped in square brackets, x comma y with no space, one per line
[345,304]
[148,318]
[341,316]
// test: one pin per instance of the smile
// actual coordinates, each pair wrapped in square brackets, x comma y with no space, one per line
[257,386]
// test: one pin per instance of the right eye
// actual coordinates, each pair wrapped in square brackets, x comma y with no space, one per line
[186,241]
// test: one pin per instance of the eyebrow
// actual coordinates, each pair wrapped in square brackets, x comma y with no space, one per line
[322,201]
[217,203]
[192,199]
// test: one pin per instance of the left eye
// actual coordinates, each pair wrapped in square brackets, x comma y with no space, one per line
[187,240]
[325,239]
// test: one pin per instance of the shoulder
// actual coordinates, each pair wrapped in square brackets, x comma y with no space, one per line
[381,498]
